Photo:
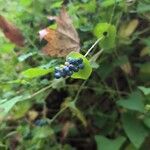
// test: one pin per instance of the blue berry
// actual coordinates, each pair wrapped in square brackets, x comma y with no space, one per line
[71,67]
[57,75]
[81,66]
[80,60]
[66,69]
[69,73]
[63,73]
[75,69]
[72,61]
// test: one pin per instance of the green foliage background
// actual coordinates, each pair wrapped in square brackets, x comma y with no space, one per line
[108,111]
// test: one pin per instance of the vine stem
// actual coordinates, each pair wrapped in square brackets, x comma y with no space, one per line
[97,41]
[113,12]
[40,91]
[56,115]
[80,89]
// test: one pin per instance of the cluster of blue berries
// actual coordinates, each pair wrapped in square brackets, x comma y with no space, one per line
[71,65]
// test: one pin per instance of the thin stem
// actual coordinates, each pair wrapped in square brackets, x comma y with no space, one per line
[80,89]
[57,114]
[117,88]
[40,91]
[32,43]
[97,41]
[113,11]
[98,89]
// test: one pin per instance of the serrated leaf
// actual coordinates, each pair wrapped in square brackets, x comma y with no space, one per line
[107,31]
[104,143]
[133,102]
[134,129]
[36,72]
[82,73]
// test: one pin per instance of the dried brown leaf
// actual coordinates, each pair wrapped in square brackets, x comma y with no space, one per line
[64,39]
[11,32]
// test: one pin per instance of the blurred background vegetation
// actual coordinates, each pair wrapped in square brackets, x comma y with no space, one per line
[113,106]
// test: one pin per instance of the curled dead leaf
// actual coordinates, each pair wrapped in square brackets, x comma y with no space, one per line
[126,30]
[65,130]
[64,39]
[32,115]
[145,51]
[127,68]
[11,32]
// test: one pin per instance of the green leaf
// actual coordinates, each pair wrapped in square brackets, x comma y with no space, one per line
[143,7]
[107,31]
[146,41]
[25,2]
[7,48]
[21,109]
[133,102]
[36,72]
[108,3]
[58,83]
[145,90]
[104,143]
[147,121]
[145,71]
[131,147]
[25,56]
[86,71]
[42,132]
[134,129]
[90,6]
[6,106]
[56,4]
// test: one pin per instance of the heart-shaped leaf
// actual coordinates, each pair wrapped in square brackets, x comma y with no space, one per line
[86,71]
[107,31]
